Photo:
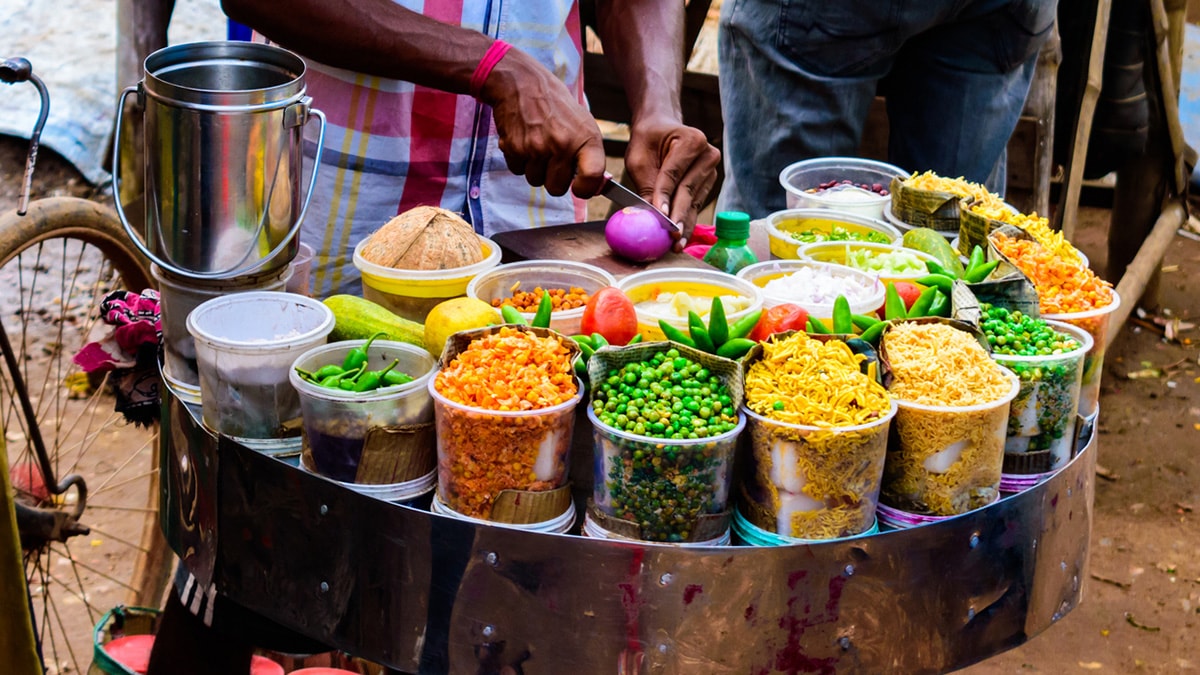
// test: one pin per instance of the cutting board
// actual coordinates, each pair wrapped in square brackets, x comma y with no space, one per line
[580,242]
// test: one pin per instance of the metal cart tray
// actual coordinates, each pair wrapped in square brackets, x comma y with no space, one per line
[423,592]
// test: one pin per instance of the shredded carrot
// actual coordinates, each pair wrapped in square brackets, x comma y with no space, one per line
[1063,287]
[509,370]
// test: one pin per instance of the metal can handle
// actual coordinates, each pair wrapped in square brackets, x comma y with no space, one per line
[308,112]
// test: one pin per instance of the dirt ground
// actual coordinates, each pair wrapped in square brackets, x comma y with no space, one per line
[1142,602]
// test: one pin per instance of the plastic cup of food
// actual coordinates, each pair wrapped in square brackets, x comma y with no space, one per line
[662,484]
[746,533]
[501,282]
[814,286]
[336,422]
[411,294]
[1097,323]
[947,460]
[668,293]
[885,262]
[482,452]
[848,184]
[245,346]
[792,228]
[816,482]
[1041,419]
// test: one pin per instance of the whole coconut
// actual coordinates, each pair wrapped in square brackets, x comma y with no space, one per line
[424,238]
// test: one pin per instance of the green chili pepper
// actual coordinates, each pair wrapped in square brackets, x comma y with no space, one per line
[935,268]
[872,334]
[742,327]
[842,323]
[981,272]
[599,341]
[358,356]
[718,327]
[325,371]
[735,348]
[369,381]
[674,334]
[815,325]
[940,305]
[941,281]
[863,322]
[545,307]
[976,260]
[305,375]
[921,304]
[893,304]
[346,385]
[585,345]
[510,314]
[635,339]
[581,368]
[334,381]
[700,334]
[394,377]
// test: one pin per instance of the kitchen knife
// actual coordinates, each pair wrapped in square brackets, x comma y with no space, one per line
[623,196]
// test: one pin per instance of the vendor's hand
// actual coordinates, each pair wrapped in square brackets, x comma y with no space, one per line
[545,134]
[673,167]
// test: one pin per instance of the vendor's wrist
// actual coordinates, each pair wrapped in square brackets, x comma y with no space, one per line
[487,82]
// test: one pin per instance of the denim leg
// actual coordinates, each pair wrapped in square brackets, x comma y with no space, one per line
[778,111]
[957,91]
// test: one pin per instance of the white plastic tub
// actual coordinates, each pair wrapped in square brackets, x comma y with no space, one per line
[245,346]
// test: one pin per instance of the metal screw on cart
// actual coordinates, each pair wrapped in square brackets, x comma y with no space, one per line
[489,631]
[666,579]
[970,613]
[324,586]
[324,509]
[492,559]
[849,570]
[844,643]
[974,540]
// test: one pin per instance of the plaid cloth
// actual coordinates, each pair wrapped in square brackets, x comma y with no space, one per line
[391,145]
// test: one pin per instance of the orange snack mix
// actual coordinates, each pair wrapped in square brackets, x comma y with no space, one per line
[513,443]
[561,299]
[1063,287]
[509,370]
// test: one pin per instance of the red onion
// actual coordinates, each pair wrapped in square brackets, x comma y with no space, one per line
[637,234]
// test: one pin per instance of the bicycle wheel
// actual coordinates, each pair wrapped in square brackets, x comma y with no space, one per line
[56,264]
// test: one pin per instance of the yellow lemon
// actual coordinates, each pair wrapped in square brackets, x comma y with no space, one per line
[452,316]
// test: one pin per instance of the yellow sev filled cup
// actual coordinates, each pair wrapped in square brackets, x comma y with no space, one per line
[946,460]
[810,482]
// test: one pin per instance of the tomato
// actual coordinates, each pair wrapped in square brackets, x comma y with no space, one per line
[778,319]
[610,313]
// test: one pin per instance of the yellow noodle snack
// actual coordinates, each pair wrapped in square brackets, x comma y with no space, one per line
[1037,227]
[955,186]
[951,424]
[938,364]
[818,429]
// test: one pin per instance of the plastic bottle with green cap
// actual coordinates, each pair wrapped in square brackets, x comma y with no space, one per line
[731,252]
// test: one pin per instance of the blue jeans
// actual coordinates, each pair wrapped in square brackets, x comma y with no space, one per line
[798,77]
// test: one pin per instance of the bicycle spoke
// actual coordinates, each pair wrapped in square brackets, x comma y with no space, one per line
[64,633]
[124,482]
[108,507]
[110,535]
[93,570]
[87,602]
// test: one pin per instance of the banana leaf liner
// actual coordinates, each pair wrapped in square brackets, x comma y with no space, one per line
[926,208]
[513,505]
[1007,286]
[618,472]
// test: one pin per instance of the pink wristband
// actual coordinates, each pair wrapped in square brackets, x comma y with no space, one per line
[490,58]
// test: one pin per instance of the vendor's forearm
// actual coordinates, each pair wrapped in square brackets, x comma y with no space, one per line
[643,39]
[376,37]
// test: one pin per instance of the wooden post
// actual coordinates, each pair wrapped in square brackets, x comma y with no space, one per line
[1065,217]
